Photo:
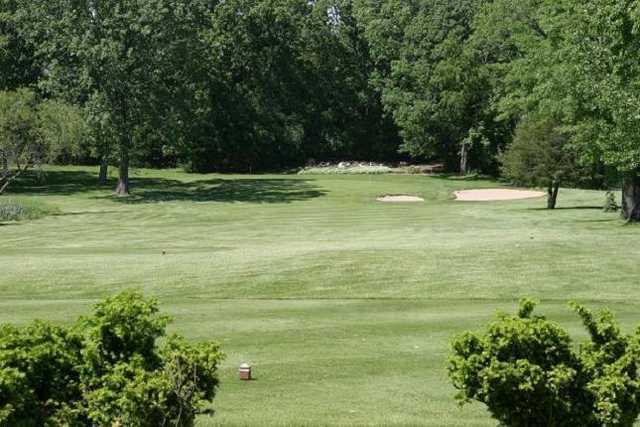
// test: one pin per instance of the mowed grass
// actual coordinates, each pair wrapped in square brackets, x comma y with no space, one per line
[345,306]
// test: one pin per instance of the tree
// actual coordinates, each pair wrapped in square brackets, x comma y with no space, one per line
[125,58]
[576,63]
[525,369]
[604,46]
[287,81]
[21,146]
[64,129]
[433,84]
[348,118]
[18,62]
[541,155]
[34,132]
[107,369]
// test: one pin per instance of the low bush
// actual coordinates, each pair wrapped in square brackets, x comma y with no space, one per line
[19,210]
[526,370]
[107,369]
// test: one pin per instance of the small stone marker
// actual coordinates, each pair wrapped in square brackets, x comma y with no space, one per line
[245,372]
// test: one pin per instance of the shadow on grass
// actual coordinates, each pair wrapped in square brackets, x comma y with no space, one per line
[595,221]
[467,178]
[567,208]
[154,190]
[268,190]
[84,213]
[58,183]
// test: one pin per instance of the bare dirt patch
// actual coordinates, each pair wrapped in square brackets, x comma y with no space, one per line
[400,198]
[496,194]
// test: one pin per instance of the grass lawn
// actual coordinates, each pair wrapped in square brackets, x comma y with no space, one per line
[345,306]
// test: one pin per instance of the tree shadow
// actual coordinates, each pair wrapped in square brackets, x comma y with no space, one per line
[155,190]
[250,190]
[447,176]
[567,208]
[58,183]
[84,213]
[594,221]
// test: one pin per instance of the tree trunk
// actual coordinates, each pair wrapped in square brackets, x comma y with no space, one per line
[123,179]
[464,159]
[552,194]
[631,197]
[104,171]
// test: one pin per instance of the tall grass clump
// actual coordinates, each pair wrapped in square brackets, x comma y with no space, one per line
[20,210]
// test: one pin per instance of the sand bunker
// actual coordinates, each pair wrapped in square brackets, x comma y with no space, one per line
[400,198]
[496,194]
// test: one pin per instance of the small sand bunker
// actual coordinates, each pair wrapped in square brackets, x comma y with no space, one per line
[496,194]
[400,198]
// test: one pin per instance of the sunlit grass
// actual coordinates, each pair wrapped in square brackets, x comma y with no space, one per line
[344,305]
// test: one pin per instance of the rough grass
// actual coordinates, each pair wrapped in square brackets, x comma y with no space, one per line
[24,209]
[344,306]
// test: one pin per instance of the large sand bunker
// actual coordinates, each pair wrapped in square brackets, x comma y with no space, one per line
[496,194]
[400,198]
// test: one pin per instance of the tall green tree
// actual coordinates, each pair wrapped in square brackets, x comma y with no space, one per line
[124,57]
[257,99]
[287,81]
[18,63]
[576,61]
[433,85]
[350,121]
[541,155]
[34,132]
[601,73]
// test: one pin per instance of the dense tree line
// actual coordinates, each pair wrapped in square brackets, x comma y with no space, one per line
[240,85]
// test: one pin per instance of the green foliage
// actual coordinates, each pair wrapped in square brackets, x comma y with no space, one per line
[243,85]
[105,370]
[21,147]
[33,132]
[18,63]
[541,155]
[122,327]
[433,80]
[135,65]
[38,369]
[573,61]
[288,80]
[527,372]
[64,128]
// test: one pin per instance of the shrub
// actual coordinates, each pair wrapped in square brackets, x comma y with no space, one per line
[34,132]
[37,372]
[525,369]
[107,369]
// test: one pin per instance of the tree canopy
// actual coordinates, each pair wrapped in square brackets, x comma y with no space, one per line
[240,85]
